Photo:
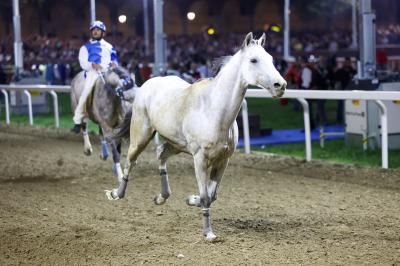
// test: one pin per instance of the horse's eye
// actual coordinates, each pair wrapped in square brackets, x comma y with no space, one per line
[253,60]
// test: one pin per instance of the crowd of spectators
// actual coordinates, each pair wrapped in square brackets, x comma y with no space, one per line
[188,56]
[388,35]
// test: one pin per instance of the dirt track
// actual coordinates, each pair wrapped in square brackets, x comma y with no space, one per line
[270,210]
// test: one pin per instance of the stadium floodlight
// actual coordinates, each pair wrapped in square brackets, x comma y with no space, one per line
[211,31]
[191,15]
[275,28]
[122,19]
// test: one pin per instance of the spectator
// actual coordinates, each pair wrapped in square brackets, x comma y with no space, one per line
[49,74]
[3,76]
[145,71]
[306,79]
[381,60]
[320,82]
[293,78]
[343,76]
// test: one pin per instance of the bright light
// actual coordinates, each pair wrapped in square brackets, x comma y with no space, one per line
[122,19]
[211,31]
[191,15]
[276,28]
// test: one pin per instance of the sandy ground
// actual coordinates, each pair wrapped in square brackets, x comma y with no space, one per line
[270,210]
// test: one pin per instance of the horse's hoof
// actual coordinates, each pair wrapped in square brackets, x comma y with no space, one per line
[88,152]
[111,194]
[103,157]
[159,200]
[210,237]
[193,200]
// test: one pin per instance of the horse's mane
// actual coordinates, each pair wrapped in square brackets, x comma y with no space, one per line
[120,71]
[115,74]
[218,63]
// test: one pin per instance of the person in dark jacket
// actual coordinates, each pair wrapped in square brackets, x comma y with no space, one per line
[343,76]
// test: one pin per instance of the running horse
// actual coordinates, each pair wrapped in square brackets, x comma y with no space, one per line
[104,108]
[199,120]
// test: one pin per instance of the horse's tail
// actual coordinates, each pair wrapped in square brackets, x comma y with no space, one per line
[123,130]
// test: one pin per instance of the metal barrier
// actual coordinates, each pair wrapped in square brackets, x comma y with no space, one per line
[300,95]
[51,89]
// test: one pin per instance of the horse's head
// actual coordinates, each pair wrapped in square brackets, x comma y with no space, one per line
[111,77]
[258,67]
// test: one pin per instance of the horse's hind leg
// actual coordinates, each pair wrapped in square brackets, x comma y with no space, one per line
[141,134]
[164,151]
[87,147]
[116,152]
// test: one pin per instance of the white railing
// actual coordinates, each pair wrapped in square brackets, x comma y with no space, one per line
[300,95]
[51,89]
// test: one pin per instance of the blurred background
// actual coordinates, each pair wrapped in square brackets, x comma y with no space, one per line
[196,32]
[349,44]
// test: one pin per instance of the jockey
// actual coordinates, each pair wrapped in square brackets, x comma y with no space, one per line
[95,57]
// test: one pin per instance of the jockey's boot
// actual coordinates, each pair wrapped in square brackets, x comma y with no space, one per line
[76,129]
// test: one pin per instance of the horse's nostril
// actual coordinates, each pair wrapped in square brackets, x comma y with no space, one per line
[277,85]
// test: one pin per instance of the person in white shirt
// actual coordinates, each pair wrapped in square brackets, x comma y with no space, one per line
[306,75]
[95,56]
[307,82]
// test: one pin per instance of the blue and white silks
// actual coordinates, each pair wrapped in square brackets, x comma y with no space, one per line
[98,52]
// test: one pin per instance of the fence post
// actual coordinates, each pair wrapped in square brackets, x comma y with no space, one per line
[321,137]
[55,107]
[307,130]
[246,130]
[28,94]
[7,106]
[384,132]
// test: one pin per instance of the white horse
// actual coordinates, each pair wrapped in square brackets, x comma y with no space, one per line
[198,119]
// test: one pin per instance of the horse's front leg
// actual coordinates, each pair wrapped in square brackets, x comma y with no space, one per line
[87,147]
[201,171]
[216,175]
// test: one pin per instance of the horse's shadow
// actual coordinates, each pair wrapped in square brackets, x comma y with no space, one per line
[261,224]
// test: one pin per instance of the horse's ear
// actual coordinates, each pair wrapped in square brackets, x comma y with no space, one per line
[248,39]
[261,41]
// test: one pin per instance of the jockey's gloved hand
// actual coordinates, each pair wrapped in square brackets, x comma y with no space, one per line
[120,92]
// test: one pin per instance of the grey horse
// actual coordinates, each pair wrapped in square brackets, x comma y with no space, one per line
[105,109]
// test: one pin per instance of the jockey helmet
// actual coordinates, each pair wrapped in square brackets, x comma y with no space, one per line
[98,24]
